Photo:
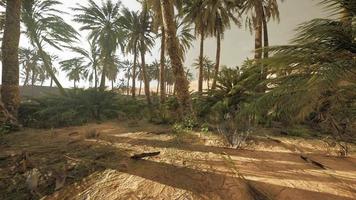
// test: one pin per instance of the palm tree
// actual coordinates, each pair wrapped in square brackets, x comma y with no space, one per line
[145,43]
[92,60]
[44,26]
[222,12]
[103,23]
[315,76]
[196,12]
[173,48]
[28,58]
[155,7]
[261,11]
[208,68]
[10,93]
[130,21]
[75,68]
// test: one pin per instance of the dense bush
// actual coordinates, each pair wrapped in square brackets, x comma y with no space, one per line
[78,107]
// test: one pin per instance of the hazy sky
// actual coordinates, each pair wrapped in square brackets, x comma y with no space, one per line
[237,45]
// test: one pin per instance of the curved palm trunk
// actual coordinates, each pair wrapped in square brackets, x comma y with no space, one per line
[162,66]
[217,62]
[201,64]
[134,74]
[145,78]
[10,92]
[173,47]
[48,68]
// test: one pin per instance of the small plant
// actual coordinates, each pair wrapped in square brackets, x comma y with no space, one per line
[204,128]
[179,128]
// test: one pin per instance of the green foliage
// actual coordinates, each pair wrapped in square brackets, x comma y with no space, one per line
[78,107]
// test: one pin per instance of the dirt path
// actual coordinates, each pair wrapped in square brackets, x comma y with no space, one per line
[191,166]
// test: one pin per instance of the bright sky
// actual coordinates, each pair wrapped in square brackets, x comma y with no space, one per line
[237,45]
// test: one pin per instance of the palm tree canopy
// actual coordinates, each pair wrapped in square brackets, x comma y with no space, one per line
[42,21]
[103,22]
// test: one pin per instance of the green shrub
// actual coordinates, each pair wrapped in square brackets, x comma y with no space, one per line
[78,107]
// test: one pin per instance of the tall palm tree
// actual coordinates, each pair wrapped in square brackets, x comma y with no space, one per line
[131,22]
[173,48]
[145,43]
[10,93]
[260,12]
[222,13]
[196,12]
[44,26]
[155,7]
[75,68]
[103,23]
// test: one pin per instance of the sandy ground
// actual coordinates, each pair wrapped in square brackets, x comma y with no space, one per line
[190,166]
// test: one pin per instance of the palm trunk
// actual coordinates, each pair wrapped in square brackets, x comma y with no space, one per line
[145,78]
[128,85]
[27,75]
[217,62]
[103,78]
[162,66]
[10,92]
[139,92]
[48,68]
[95,77]
[173,48]
[265,36]
[157,91]
[258,30]
[201,64]
[33,79]
[134,74]
[208,79]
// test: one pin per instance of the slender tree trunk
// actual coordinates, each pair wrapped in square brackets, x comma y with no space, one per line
[258,30]
[134,74]
[145,78]
[27,75]
[10,92]
[112,85]
[157,87]
[139,92]
[201,64]
[74,84]
[217,62]
[173,48]
[209,79]
[33,78]
[95,77]
[51,84]
[48,68]
[128,85]
[265,36]
[103,78]
[162,66]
